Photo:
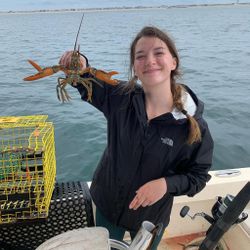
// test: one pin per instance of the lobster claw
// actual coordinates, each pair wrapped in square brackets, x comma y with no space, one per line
[43,72]
[104,76]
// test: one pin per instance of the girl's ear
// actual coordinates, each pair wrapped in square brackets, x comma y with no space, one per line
[134,71]
[174,64]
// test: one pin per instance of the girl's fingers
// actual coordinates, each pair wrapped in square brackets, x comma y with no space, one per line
[146,203]
[137,202]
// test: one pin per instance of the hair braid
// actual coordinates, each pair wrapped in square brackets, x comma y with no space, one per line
[194,129]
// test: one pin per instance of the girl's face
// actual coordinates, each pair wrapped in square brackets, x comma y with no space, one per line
[153,61]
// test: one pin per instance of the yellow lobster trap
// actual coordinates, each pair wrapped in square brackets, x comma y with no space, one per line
[27,167]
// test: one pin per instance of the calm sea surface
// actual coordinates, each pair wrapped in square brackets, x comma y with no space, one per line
[215,57]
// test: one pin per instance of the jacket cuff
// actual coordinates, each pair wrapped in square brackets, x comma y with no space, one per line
[171,188]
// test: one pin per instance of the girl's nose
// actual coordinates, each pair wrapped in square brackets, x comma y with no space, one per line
[150,59]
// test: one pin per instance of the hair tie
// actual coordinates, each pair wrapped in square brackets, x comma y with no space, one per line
[184,112]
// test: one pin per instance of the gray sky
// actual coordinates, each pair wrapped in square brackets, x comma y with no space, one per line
[14,5]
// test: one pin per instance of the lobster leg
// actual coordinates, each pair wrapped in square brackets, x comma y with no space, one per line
[57,92]
[58,86]
[88,85]
[62,94]
[95,81]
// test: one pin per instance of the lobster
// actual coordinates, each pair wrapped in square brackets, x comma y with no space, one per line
[73,74]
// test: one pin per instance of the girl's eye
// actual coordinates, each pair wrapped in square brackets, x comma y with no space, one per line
[140,57]
[159,53]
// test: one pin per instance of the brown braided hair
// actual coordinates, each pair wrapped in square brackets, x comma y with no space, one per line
[176,88]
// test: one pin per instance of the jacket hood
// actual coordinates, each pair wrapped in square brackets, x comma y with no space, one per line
[192,105]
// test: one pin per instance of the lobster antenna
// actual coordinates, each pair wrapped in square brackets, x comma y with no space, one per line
[78,32]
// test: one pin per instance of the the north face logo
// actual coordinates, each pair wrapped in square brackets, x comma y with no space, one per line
[167,141]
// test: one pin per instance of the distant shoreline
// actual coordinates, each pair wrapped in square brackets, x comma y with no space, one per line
[121,8]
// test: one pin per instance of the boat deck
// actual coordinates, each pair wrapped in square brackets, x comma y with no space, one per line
[180,242]
[177,243]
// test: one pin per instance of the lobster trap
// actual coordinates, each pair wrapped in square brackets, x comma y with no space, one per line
[27,167]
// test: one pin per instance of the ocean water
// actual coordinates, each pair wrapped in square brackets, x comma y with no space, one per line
[214,47]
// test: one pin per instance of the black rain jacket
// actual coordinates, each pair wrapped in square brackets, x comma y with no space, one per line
[138,152]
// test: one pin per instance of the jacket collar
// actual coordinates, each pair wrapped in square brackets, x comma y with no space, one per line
[192,105]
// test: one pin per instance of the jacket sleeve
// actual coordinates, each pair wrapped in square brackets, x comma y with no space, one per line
[195,176]
[101,92]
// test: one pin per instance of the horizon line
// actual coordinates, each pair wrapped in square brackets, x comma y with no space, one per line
[122,8]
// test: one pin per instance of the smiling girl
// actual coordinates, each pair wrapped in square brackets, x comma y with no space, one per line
[159,146]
